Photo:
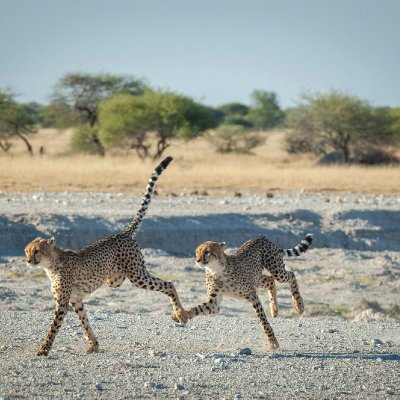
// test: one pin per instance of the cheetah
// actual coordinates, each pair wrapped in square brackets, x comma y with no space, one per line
[239,275]
[76,274]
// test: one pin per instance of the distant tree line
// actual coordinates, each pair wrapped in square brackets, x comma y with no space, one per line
[108,111]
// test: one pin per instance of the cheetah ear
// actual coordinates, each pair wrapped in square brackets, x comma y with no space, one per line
[222,245]
[52,241]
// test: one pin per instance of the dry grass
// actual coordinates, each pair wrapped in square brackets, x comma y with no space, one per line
[196,166]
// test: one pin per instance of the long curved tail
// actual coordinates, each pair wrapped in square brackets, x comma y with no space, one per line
[302,247]
[141,212]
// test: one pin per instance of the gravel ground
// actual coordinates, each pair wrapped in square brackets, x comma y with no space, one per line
[356,255]
[149,356]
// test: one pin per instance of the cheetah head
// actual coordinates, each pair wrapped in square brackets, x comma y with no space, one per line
[210,255]
[38,252]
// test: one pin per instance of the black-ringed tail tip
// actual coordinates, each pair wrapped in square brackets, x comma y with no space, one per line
[302,247]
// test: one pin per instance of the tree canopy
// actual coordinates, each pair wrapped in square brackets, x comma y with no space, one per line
[336,120]
[76,98]
[234,114]
[16,120]
[265,112]
[125,120]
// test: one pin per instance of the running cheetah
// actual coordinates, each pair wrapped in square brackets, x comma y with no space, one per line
[76,274]
[239,275]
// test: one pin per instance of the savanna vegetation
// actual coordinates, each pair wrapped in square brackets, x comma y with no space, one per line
[97,126]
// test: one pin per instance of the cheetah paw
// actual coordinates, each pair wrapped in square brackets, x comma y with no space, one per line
[182,316]
[273,344]
[298,305]
[42,352]
[174,318]
[93,349]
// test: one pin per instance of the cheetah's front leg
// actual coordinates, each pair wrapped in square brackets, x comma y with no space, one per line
[61,311]
[80,311]
[143,280]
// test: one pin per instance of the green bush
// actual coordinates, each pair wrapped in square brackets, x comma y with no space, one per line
[85,139]
[234,139]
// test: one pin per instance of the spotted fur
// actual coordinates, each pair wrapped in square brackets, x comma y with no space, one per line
[76,274]
[239,275]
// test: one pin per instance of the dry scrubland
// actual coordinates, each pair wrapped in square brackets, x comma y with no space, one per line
[196,167]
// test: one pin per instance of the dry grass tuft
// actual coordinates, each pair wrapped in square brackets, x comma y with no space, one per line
[196,167]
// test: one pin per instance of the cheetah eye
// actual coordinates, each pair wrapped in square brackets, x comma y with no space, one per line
[207,253]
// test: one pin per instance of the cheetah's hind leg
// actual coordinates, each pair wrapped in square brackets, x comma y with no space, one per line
[268,283]
[283,276]
[81,313]
[143,280]
[258,308]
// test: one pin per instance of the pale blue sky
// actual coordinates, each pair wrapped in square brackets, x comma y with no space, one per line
[216,51]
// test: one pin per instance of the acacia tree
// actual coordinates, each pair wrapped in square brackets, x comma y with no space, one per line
[336,120]
[265,112]
[15,121]
[177,116]
[125,120]
[76,97]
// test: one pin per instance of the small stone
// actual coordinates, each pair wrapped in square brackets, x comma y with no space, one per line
[300,325]
[376,341]
[213,369]
[153,353]
[331,331]
[98,386]
[379,359]
[179,325]
[178,387]
[269,195]
[245,352]
[149,384]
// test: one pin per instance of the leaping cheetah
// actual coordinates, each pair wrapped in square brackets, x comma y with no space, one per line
[239,275]
[76,274]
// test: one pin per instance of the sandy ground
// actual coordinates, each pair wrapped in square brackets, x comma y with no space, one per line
[356,256]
